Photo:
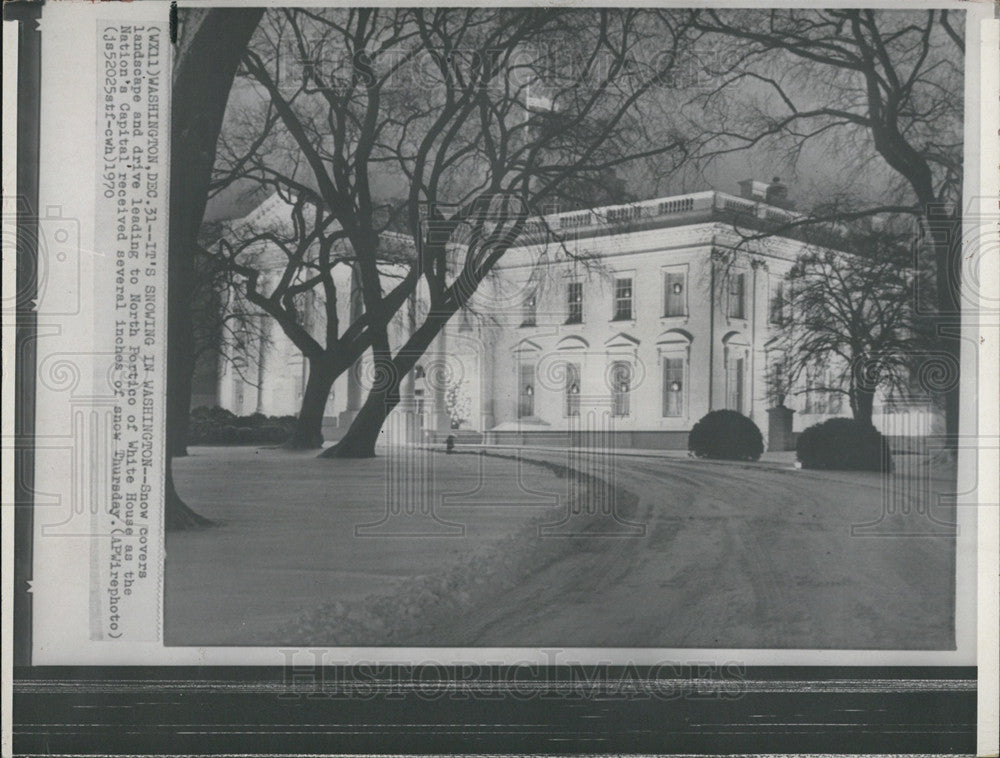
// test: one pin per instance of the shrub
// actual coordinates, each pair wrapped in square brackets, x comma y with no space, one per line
[726,435]
[843,444]
[217,426]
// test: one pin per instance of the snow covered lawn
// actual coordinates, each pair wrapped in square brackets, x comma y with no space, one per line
[698,555]
[286,537]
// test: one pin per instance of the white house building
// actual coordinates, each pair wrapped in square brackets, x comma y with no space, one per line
[620,325]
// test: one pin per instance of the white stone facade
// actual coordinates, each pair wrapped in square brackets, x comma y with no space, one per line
[636,323]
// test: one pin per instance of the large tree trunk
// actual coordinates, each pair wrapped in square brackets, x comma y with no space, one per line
[213,42]
[308,434]
[359,442]
[862,405]
[178,515]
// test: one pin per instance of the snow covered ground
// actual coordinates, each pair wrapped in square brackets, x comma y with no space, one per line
[694,554]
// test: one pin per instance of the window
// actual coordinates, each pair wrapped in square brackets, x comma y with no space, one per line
[809,403]
[836,402]
[572,391]
[623,299]
[736,296]
[621,386]
[526,391]
[529,310]
[817,394]
[776,313]
[822,397]
[674,296]
[820,404]
[734,383]
[574,303]
[421,406]
[673,386]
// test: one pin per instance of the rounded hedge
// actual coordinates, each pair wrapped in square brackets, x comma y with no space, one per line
[843,444]
[726,435]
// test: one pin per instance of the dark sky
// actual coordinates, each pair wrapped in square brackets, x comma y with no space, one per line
[813,175]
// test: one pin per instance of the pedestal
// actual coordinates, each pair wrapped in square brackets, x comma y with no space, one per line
[779,429]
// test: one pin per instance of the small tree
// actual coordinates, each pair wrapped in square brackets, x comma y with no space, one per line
[458,401]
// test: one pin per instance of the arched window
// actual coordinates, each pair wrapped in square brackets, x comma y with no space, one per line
[621,387]
[572,389]
[674,348]
[526,391]
[674,369]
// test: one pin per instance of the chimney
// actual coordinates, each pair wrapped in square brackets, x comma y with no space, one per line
[752,189]
[777,193]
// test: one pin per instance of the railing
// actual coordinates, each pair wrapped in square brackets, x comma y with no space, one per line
[707,203]
[680,205]
[739,206]
[624,213]
[575,220]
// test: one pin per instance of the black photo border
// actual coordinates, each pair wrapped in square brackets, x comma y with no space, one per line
[302,709]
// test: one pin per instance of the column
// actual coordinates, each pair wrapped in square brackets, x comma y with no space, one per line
[441,421]
[354,398]
[262,347]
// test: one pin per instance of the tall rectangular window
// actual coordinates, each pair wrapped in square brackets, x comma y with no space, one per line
[827,398]
[737,286]
[815,395]
[529,310]
[526,391]
[673,386]
[623,299]
[574,303]
[820,406]
[621,387]
[776,313]
[836,402]
[674,296]
[734,384]
[572,389]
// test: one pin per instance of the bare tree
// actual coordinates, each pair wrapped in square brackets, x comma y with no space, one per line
[285,268]
[461,108]
[852,318]
[855,84]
